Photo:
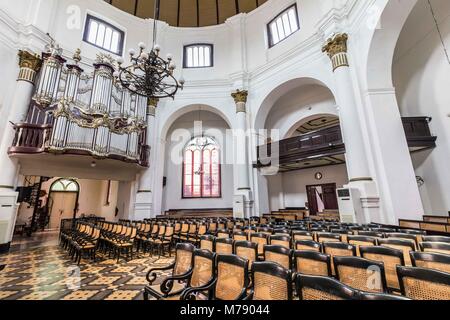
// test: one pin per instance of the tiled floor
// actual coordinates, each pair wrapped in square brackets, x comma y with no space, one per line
[46,273]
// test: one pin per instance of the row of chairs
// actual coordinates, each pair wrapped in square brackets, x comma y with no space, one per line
[202,274]
[83,239]
[117,239]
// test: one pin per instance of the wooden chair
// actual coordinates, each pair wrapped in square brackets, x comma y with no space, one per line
[230,283]
[375,234]
[436,261]
[390,258]
[308,245]
[302,235]
[435,239]
[207,242]
[400,244]
[246,250]
[359,241]
[435,247]
[338,249]
[281,240]
[424,284]
[262,239]
[312,263]
[403,236]
[323,237]
[278,254]
[270,282]
[165,241]
[362,274]
[224,246]
[322,289]
[223,234]
[240,236]
[368,296]
[182,266]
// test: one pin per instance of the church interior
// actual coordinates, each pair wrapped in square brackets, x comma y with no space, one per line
[232,150]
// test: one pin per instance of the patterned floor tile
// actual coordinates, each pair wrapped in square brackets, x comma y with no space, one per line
[123,295]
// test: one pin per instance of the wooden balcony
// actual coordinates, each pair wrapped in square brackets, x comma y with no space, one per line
[326,146]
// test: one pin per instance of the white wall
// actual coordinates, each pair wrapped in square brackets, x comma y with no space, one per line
[422,76]
[213,126]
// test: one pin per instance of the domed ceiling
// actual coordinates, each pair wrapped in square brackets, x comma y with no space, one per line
[188,13]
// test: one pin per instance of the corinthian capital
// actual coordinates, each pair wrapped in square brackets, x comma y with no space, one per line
[336,48]
[240,96]
[29,61]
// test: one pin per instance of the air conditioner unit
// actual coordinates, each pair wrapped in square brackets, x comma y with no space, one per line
[8,210]
[350,208]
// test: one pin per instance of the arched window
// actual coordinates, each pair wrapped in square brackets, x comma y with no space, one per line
[201,169]
[65,185]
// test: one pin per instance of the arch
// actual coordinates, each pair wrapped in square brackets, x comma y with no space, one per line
[65,185]
[279,91]
[384,40]
[299,123]
[174,116]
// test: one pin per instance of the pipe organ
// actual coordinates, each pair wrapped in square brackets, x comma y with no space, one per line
[90,113]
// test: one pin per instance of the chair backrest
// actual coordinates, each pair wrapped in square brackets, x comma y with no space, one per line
[184,253]
[302,235]
[361,274]
[436,247]
[212,227]
[222,233]
[379,296]
[203,269]
[232,278]
[436,261]
[162,230]
[261,239]
[322,288]
[403,236]
[339,249]
[278,254]
[328,237]
[207,242]
[401,244]
[358,241]
[424,284]
[271,282]
[390,257]
[239,236]
[192,228]
[281,240]
[371,234]
[202,229]
[308,245]
[224,246]
[185,227]
[435,239]
[247,250]
[312,263]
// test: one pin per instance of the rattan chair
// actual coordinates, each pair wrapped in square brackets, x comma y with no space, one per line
[247,250]
[322,288]
[435,247]
[165,241]
[424,284]
[436,261]
[262,239]
[201,276]
[180,268]
[406,246]
[312,263]
[359,241]
[207,242]
[223,234]
[371,234]
[362,274]
[230,283]
[279,254]
[390,257]
[240,236]
[308,245]
[281,240]
[380,297]
[270,282]
[224,246]
[403,236]
[338,249]
[302,235]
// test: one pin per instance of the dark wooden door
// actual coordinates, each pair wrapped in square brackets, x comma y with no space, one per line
[312,200]
[329,197]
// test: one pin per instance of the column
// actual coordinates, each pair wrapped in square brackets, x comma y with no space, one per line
[29,66]
[143,207]
[243,200]
[360,178]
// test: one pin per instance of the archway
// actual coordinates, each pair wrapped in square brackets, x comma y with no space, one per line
[62,201]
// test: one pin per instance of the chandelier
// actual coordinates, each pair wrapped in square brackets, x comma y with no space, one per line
[148,74]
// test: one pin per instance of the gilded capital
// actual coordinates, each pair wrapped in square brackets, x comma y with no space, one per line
[336,48]
[152,102]
[240,96]
[29,61]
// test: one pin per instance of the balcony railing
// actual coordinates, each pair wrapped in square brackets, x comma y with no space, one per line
[328,142]
[73,112]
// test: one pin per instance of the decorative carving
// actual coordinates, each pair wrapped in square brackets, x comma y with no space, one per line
[240,96]
[103,58]
[29,61]
[77,56]
[336,48]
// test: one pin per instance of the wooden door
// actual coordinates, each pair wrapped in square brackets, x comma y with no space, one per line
[329,197]
[62,208]
[312,200]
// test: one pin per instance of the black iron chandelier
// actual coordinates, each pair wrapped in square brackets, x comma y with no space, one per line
[150,75]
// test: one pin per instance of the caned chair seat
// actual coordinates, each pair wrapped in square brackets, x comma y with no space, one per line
[271,282]
[322,289]
[278,254]
[424,284]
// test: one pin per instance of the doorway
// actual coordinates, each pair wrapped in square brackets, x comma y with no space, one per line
[321,198]
[62,201]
